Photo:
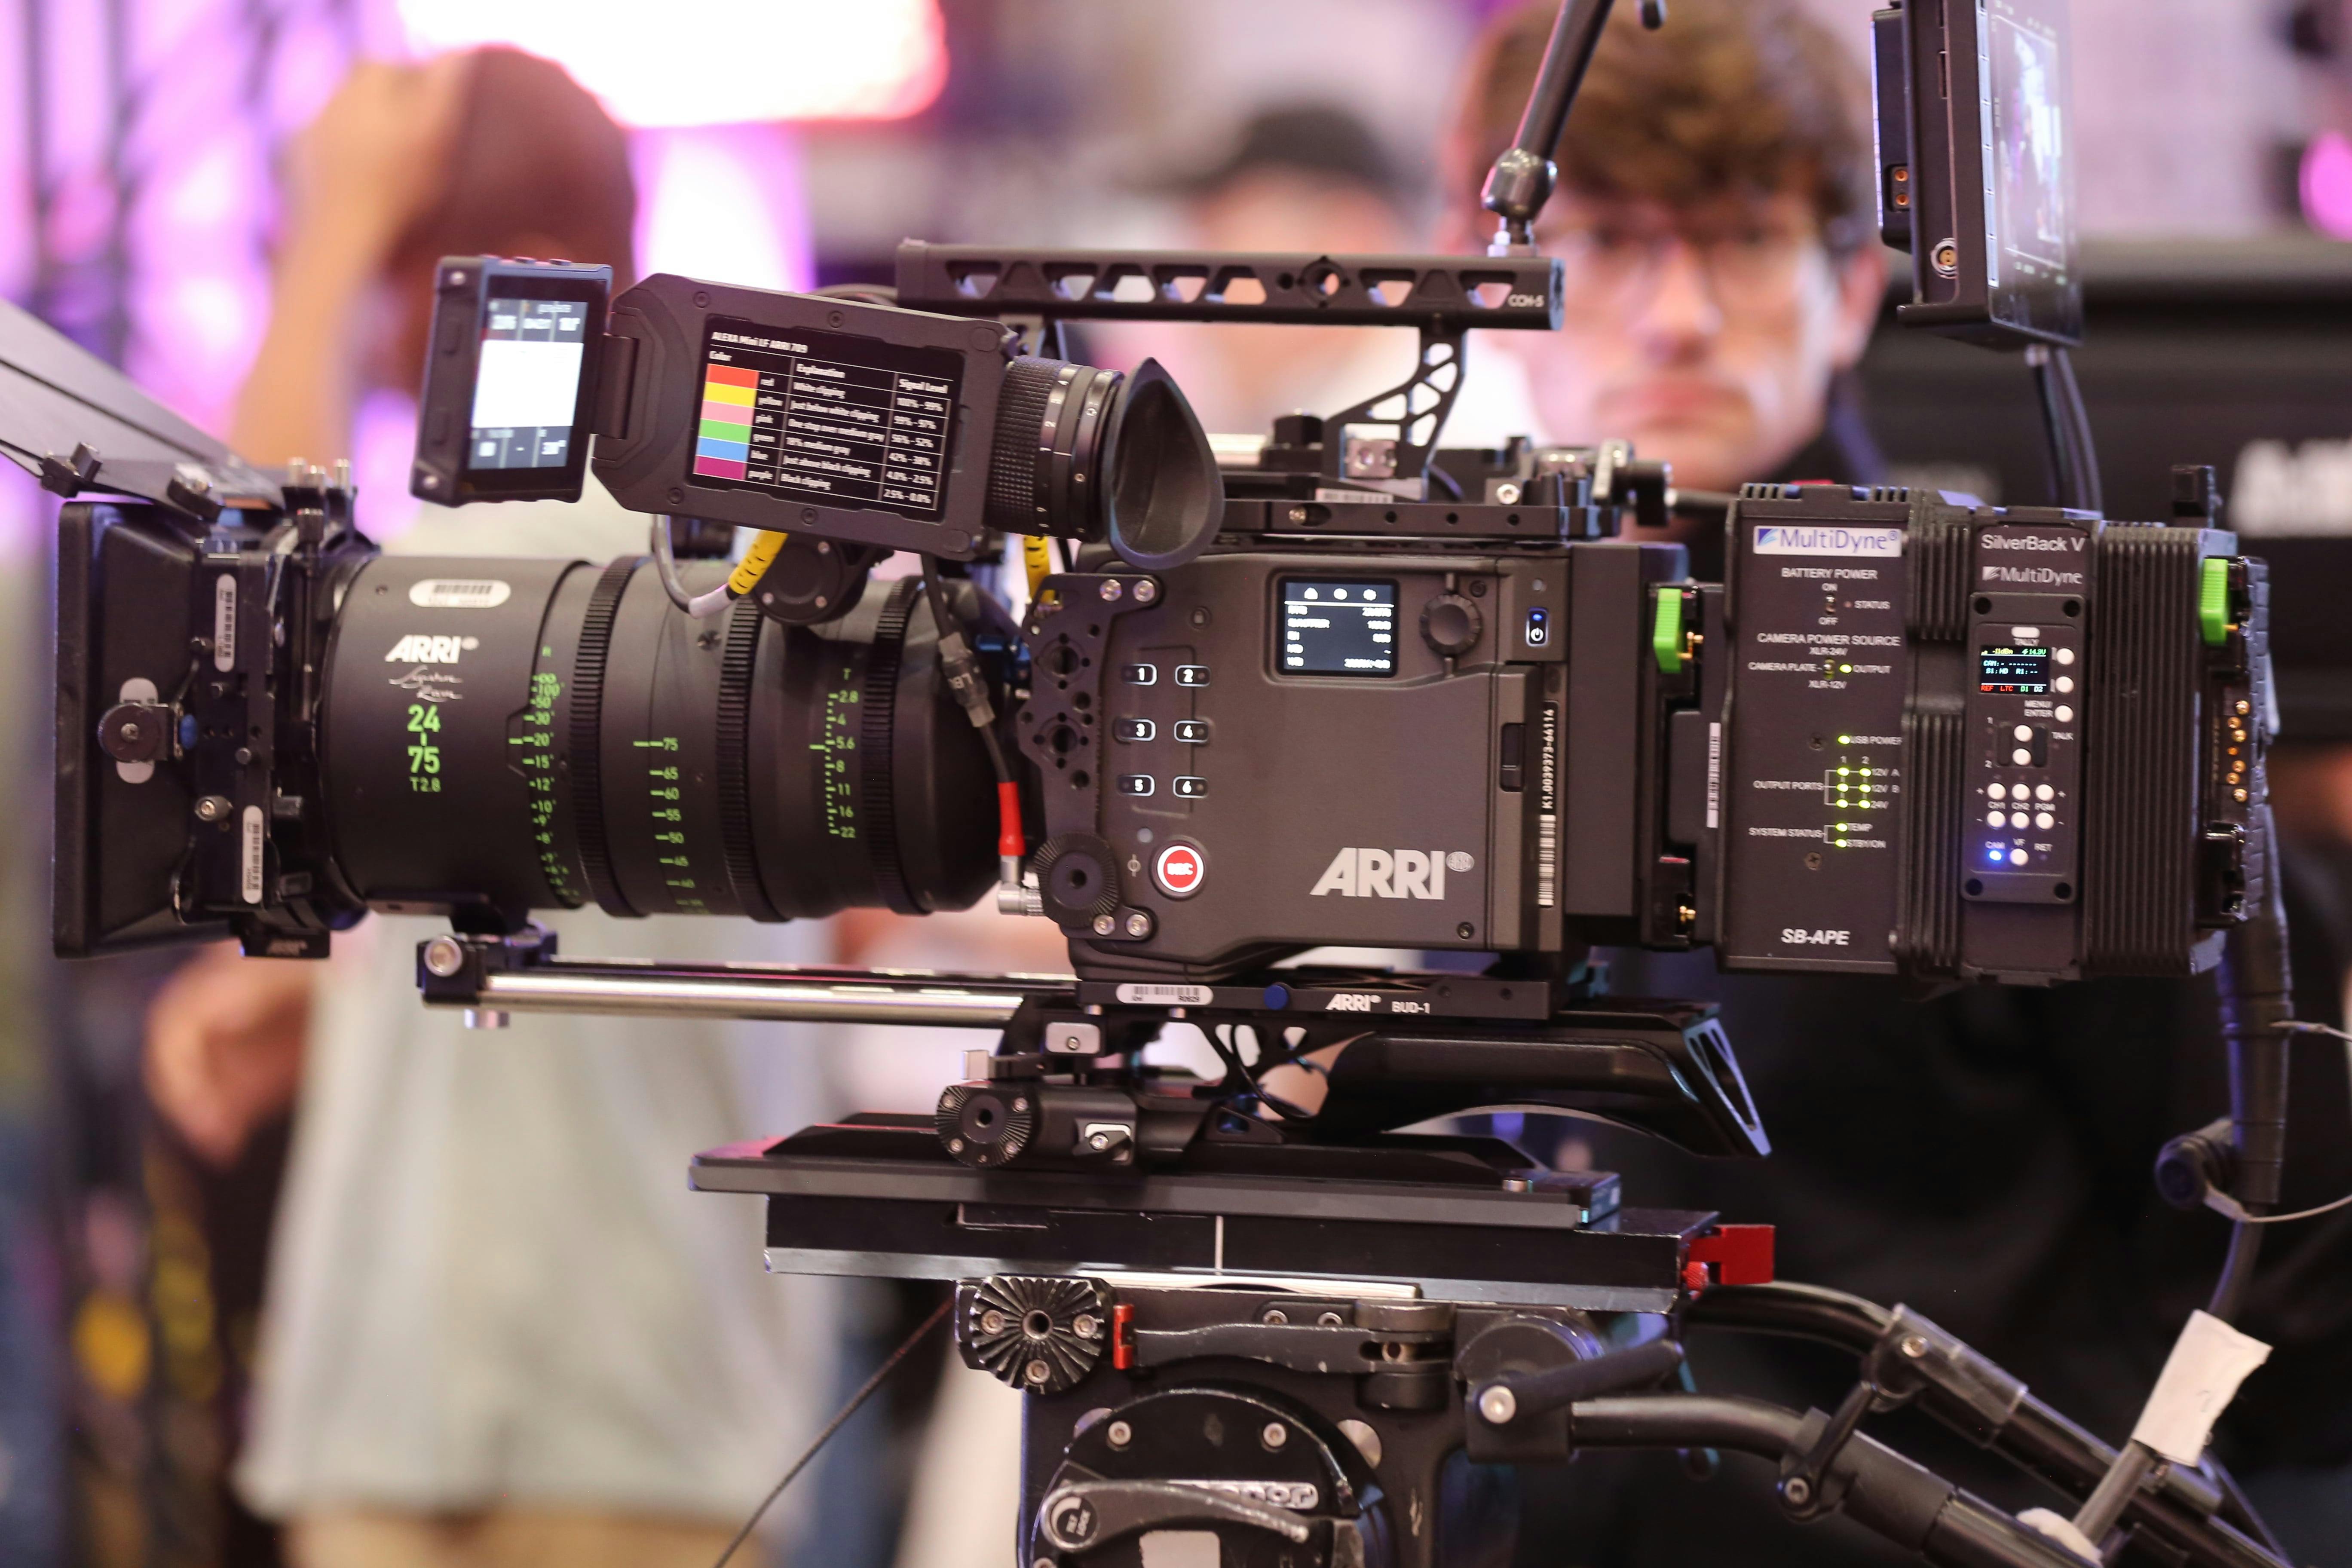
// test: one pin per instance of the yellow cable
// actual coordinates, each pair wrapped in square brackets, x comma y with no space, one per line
[754,564]
[1038,558]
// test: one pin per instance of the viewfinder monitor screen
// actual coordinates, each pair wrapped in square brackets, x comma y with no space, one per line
[527,384]
[2030,216]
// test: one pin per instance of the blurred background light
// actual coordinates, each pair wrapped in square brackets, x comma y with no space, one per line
[2327,184]
[714,62]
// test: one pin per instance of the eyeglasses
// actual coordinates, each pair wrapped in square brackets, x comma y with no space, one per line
[1747,267]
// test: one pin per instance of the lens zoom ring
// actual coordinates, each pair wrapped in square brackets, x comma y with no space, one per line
[1012,498]
[587,733]
[877,707]
[735,672]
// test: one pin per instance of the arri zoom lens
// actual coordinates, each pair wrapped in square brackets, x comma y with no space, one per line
[511,735]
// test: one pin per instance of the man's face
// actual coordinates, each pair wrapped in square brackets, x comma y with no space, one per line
[1706,336]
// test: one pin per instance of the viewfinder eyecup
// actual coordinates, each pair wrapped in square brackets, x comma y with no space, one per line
[1166,498]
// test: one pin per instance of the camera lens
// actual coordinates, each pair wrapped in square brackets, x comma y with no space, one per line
[1086,453]
[529,735]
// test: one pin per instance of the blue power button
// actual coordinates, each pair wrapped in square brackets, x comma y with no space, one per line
[1538,627]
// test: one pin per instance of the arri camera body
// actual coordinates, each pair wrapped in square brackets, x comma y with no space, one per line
[1329,685]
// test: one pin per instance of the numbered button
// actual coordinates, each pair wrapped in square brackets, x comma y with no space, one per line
[1139,674]
[1190,788]
[1137,784]
[1191,732]
[1191,675]
[1136,730]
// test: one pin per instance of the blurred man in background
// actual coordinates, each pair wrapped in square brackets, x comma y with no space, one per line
[1984,1155]
[1306,177]
[1716,232]
[499,1328]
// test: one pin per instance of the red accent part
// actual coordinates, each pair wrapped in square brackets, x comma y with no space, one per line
[1009,840]
[1180,869]
[1695,1278]
[1122,1338]
[1742,1253]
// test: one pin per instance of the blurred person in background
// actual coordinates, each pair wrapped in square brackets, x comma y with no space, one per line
[1983,1154]
[1717,236]
[1307,177]
[500,1329]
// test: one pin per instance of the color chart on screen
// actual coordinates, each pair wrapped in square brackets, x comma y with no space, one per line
[825,416]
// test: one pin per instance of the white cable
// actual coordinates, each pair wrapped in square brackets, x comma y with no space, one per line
[701,606]
[2222,1203]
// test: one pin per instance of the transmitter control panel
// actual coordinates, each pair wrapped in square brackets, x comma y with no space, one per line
[2026,756]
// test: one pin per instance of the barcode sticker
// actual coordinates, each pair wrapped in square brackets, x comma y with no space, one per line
[1714,775]
[1546,860]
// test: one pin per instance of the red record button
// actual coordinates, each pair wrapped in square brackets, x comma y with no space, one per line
[1180,869]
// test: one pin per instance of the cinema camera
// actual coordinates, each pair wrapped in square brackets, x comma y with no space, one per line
[1331,685]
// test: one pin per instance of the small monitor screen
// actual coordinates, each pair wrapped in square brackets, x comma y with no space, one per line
[2020,671]
[850,420]
[2034,218]
[527,385]
[1337,628]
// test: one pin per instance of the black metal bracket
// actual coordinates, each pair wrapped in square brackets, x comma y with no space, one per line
[1392,435]
[69,476]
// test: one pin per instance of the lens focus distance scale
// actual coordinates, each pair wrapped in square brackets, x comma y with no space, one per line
[587,733]
[876,715]
[744,624]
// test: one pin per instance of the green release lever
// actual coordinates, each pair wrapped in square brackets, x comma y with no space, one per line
[2213,601]
[1666,631]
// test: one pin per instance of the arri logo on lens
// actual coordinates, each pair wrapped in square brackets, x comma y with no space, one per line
[419,648]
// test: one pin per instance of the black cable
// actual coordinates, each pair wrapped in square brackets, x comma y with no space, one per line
[1230,1054]
[2237,1271]
[2256,1001]
[840,1419]
[2057,429]
[2091,495]
[945,620]
[2037,1439]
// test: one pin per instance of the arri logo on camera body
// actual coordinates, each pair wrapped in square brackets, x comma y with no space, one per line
[1391,873]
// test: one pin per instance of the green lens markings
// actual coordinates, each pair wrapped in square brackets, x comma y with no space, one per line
[423,756]
[662,795]
[532,734]
[835,746]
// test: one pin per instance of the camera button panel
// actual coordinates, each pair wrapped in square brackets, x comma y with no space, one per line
[1190,732]
[1191,675]
[1139,674]
[1137,784]
[1136,730]
[1188,787]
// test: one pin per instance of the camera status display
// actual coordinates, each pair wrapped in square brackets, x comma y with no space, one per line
[2020,671]
[527,384]
[1337,628]
[847,419]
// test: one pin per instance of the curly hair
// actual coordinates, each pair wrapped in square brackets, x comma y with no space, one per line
[1731,96]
